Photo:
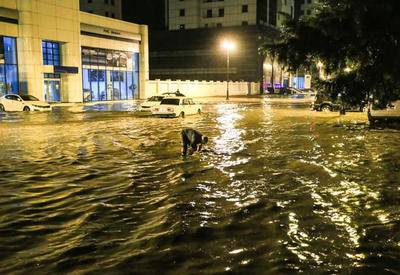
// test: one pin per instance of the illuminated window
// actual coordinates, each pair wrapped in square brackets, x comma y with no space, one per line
[8,66]
[51,53]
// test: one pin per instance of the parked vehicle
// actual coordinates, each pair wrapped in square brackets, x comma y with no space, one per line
[13,102]
[390,113]
[284,91]
[156,100]
[176,106]
[324,103]
[150,102]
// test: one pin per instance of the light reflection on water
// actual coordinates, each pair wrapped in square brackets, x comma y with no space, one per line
[283,190]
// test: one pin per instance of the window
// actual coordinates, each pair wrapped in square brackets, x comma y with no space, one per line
[245,8]
[219,25]
[308,12]
[206,25]
[109,74]
[8,66]
[112,2]
[209,13]
[113,15]
[221,12]
[245,23]
[106,2]
[182,26]
[182,12]
[106,13]
[90,1]
[51,53]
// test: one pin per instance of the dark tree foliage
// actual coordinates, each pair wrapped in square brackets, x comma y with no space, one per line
[362,35]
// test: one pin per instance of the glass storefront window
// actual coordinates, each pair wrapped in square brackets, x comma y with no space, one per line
[8,66]
[109,74]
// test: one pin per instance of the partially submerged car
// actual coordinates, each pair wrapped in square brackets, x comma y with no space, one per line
[176,106]
[15,103]
[324,103]
[389,113]
[150,102]
[156,100]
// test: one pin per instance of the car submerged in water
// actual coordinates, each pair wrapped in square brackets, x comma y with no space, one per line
[324,103]
[19,103]
[176,107]
[388,113]
[156,100]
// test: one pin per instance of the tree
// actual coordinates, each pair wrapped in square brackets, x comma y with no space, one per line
[356,40]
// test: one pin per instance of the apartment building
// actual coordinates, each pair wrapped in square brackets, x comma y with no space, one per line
[195,14]
[190,49]
[107,8]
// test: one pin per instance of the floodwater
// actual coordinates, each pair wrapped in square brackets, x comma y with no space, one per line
[285,190]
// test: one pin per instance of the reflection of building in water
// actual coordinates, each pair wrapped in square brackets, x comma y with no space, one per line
[54,52]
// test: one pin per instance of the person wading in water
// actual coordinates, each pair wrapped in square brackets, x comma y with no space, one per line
[192,139]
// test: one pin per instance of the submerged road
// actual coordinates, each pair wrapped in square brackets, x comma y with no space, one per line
[286,190]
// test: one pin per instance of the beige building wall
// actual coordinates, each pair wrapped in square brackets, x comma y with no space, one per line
[61,21]
[54,20]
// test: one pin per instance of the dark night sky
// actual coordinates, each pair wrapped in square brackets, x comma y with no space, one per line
[149,12]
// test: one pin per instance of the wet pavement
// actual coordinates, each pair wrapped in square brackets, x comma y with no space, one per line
[101,189]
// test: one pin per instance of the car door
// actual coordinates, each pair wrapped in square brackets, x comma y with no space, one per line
[184,106]
[192,106]
[12,103]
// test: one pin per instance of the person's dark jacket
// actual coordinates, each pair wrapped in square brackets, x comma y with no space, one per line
[192,138]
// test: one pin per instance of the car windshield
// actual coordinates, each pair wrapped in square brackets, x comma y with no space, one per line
[156,98]
[29,98]
[170,101]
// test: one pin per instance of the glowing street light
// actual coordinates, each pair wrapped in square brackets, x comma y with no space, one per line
[229,46]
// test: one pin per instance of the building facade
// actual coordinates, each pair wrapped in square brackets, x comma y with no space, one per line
[51,50]
[191,48]
[195,14]
[107,8]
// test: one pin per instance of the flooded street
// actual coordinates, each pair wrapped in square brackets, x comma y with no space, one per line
[286,190]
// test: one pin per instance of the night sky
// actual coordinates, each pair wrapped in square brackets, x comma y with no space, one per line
[149,12]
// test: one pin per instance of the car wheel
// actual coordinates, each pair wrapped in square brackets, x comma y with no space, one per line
[26,109]
[326,108]
[2,108]
[182,115]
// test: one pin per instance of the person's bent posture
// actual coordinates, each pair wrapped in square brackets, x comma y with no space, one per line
[192,140]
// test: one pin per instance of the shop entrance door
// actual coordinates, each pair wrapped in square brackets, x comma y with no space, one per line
[52,91]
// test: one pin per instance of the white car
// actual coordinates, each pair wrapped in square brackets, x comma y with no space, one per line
[156,100]
[13,102]
[150,102]
[390,113]
[176,106]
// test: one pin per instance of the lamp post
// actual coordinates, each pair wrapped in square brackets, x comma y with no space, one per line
[227,45]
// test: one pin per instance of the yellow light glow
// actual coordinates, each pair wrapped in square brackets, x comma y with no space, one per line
[267,66]
[319,64]
[228,45]
[347,69]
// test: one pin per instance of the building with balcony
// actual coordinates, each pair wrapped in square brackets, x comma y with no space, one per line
[55,52]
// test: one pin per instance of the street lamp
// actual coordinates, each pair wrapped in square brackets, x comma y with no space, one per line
[227,45]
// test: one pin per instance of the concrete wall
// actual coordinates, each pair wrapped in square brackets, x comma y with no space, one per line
[201,88]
